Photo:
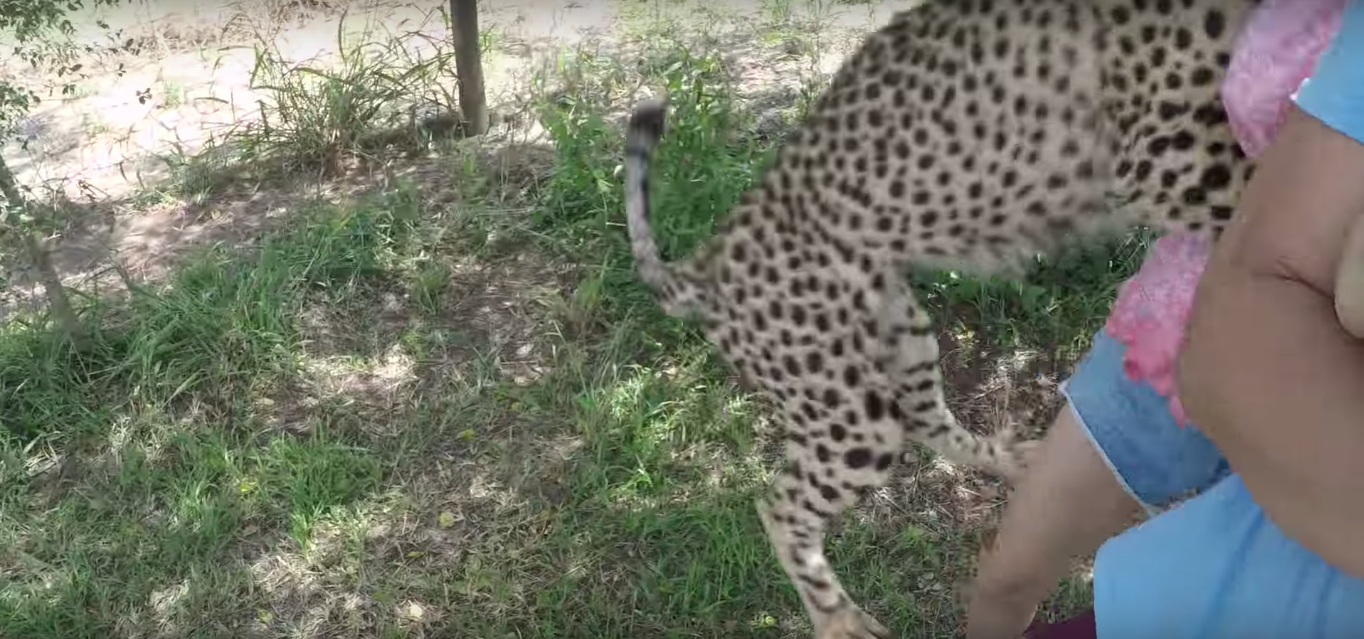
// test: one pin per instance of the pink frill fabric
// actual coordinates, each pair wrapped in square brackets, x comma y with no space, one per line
[1273,55]
[1152,309]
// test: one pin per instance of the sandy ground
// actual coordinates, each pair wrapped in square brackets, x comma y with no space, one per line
[189,83]
[192,79]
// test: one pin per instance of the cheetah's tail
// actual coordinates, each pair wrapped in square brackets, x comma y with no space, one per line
[642,133]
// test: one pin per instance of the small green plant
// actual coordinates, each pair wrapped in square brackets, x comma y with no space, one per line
[429,284]
[194,176]
[94,126]
[172,95]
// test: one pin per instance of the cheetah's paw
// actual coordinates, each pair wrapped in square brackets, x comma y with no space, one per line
[1013,453]
[852,623]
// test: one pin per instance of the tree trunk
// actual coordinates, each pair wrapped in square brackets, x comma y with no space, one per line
[469,65]
[57,301]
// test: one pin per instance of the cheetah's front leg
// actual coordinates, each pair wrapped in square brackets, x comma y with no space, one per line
[795,517]
[843,438]
[861,390]
[795,522]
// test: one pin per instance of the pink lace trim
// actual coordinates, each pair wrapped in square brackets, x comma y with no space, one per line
[1152,309]
[1273,55]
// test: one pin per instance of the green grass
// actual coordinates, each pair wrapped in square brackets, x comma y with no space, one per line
[378,422]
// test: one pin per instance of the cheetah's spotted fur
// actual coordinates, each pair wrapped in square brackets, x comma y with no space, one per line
[968,134]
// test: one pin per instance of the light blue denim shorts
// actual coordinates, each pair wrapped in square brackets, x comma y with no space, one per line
[1209,564]
[1156,461]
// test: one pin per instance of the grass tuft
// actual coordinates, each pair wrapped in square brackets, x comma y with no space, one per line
[374,92]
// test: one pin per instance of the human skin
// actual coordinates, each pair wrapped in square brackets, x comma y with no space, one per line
[1350,282]
[1269,373]
[1064,508]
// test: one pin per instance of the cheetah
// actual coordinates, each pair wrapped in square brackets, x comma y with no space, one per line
[964,134]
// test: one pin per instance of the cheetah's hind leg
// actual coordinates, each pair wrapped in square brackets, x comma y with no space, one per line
[898,393]
[911,356]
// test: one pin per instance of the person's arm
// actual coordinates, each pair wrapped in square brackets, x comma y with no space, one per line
[1350,282]
[1268,373]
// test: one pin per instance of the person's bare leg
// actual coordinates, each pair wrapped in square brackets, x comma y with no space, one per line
[1065,506]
